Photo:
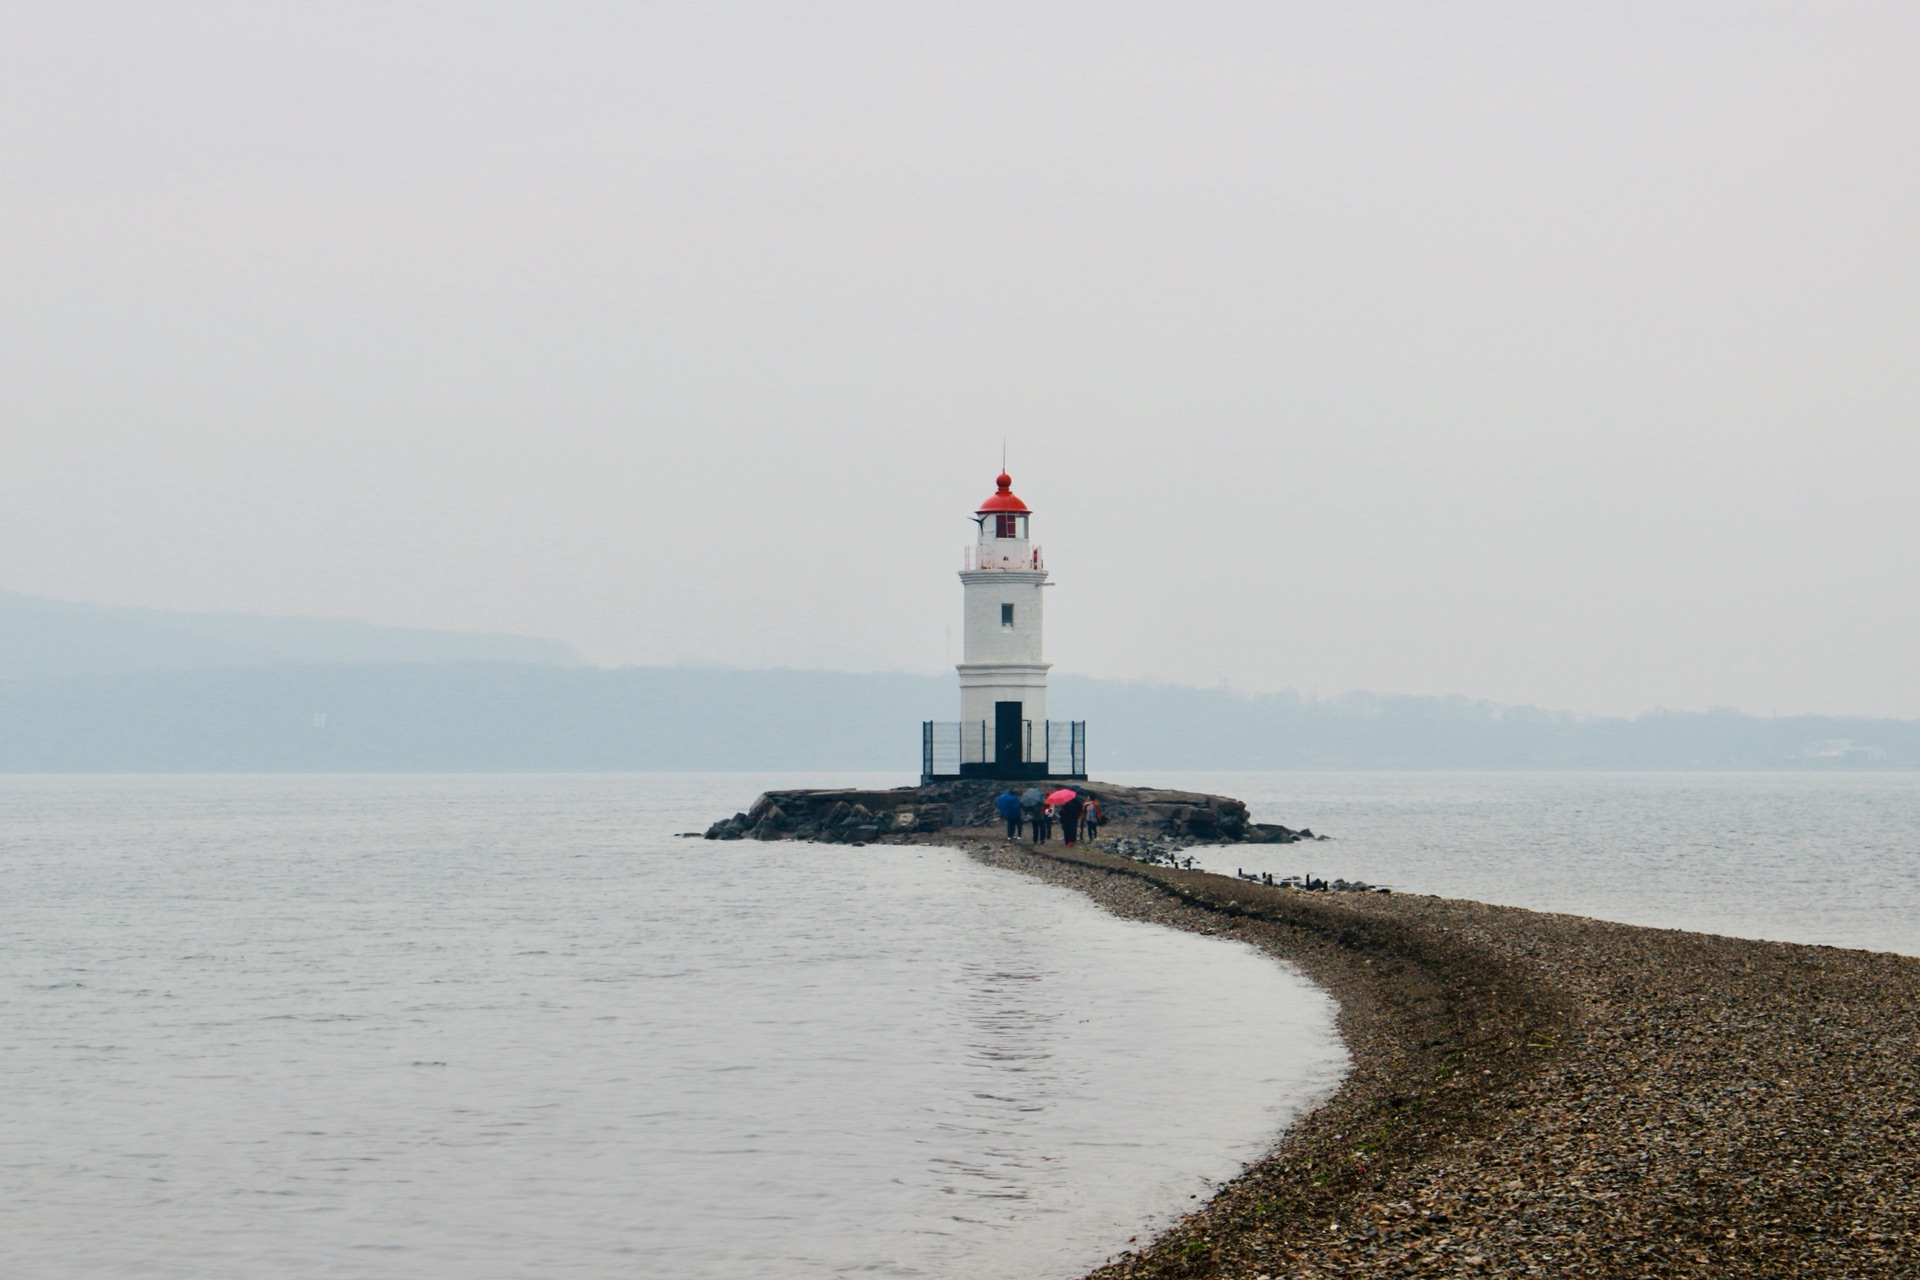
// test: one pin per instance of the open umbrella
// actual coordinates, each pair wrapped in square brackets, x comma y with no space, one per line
[1061,796]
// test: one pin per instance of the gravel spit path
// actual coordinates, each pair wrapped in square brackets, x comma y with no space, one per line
[1546,1095]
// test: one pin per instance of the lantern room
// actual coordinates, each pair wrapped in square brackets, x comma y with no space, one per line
[1004,541]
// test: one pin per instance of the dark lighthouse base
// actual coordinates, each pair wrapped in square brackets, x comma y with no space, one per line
[955,751]
[1013,771]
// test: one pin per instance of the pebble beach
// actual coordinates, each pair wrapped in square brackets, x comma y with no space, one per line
[1547,1095]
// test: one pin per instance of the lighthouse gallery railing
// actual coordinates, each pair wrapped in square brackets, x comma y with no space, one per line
[971,560]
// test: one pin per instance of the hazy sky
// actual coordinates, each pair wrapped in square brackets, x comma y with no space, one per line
[1548,353]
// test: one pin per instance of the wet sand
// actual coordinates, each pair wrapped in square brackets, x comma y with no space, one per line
[1547,1095]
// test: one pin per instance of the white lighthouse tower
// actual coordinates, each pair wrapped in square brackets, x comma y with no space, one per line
[1003,731]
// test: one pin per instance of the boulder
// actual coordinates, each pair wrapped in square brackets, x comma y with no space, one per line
[1204,823]
[729,828]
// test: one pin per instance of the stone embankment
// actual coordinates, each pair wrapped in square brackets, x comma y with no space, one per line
[945,811]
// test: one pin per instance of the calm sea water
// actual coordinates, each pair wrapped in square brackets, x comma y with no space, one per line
[1811,857]
[453,1027]
[405,1027]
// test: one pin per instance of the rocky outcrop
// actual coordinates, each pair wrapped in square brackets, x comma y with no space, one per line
[845,816]
[942,810]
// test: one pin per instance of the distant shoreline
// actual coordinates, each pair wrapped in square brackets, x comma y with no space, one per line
[332,698]
[1551,1095]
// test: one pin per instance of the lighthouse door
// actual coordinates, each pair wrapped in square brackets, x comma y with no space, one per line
[1007,726]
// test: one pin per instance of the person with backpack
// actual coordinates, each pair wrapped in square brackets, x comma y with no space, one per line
[1009,806]
[1091,817]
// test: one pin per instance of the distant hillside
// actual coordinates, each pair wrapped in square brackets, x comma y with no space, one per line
[49,639]
[1161,726]
[462,717]
[509,716]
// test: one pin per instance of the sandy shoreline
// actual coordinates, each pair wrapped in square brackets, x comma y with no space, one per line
[1547,1095]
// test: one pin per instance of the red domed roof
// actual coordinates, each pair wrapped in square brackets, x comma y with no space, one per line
[1003,499]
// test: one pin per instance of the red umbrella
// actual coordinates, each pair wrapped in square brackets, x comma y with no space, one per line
[1061,796]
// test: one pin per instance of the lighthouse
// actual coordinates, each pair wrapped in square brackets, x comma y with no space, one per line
[1003,730]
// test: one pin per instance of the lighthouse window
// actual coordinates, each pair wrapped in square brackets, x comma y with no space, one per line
[1006,615]
[1006,526]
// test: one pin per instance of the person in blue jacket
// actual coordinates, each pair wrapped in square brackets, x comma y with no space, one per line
[1009,806]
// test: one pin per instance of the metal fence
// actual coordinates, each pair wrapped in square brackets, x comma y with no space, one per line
[953,748]
[1067,738]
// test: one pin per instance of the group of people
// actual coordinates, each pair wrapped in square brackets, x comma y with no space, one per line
[1035,810]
